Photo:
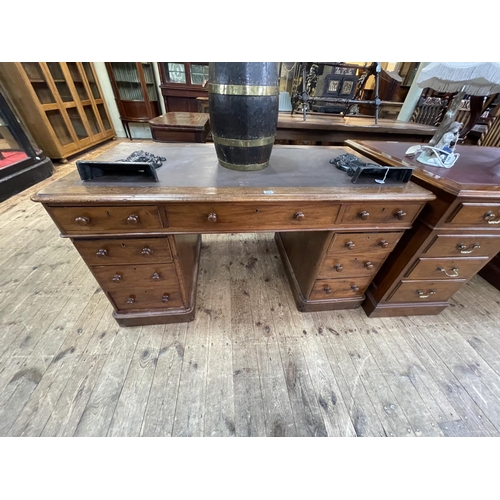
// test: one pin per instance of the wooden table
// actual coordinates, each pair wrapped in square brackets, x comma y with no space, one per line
[455,236]
[180,127]
[334,129]
[141,240]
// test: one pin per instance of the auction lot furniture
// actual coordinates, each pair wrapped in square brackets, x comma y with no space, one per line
[141,239]
[455,235]
[180,127]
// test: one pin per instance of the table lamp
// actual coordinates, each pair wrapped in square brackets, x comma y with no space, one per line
[472,78]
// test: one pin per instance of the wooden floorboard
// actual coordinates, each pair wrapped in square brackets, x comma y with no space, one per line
[250,364]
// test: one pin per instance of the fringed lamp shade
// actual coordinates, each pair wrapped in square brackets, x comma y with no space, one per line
[479,79]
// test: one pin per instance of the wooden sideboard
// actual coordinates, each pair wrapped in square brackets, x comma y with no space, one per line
[454,237]
[141,240]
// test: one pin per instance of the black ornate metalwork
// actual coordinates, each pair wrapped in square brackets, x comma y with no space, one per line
[145,157]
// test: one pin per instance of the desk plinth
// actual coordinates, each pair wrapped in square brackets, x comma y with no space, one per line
[455,236]
[141,240]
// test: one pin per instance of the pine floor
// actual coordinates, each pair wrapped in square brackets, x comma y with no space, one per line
[249,365]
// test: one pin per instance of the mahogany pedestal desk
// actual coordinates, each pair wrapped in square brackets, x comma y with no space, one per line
[455,236]
[141,240]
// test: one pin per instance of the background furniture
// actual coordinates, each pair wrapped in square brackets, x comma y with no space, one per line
[135,90]
[142,240]
[180,127]
[61,103]
[181,84]
[454,237]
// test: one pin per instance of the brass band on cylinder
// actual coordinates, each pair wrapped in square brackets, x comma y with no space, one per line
[243,143]
[255,90]
[251,166]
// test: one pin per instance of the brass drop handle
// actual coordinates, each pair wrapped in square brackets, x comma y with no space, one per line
[102,252]
[133,219]
[117,277]
[369,265]
[212,217]
[490,218]
[131,300]
[299,216]
[327,290]
[338,268]
[147,252]
[464,249]
[155,276]
[400,215]
[383,243]
[363,215]
[350,245]
[423,295]
[355,288]
[454,270]
[165,298]
[82,221]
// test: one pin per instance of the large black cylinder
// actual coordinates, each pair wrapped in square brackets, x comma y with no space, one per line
[243,101]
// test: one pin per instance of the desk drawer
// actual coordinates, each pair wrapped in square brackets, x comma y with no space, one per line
[339,288]
[124,251]
[425,291]
[445,268]
[93,220]
[477,214]
[125,277]
[338,266]
[363,242]
[158,297]
[445,245]
[381,213]
[216,217]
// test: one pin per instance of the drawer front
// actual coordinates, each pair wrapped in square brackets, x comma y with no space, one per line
[124,251]
[92,220]
[158,297]
[425,291]
[477,214]
[463,245]
[381,213]
[125,277]
[446,268]
[364,242]
[335,266]
[216,217]
[339,288]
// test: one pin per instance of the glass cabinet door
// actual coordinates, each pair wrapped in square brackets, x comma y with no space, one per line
[128,81]
[39,83]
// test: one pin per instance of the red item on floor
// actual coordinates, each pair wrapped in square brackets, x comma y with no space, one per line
[11,157]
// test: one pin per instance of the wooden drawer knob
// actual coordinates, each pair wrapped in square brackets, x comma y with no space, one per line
[350,245]
[383,243]
[131,300]
[464,249]
[212,217]
[155,277]
[490,218]
[147,252]
[400,215]
[133,219]
[165,298]
[368,265]
[327,290]
[102,252]
[355,288]
[425,295]
[363,215]
[117,277]
[299,216]
[338,267]
[82,221]
[454,271]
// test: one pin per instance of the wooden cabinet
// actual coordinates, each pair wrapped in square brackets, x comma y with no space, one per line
[61,103]
[141,241]
[136,92]
[181,85]
[454,237]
